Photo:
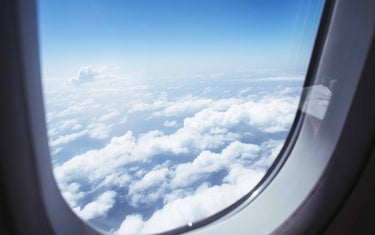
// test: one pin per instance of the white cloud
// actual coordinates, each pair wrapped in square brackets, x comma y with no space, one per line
[181,211]
[183,175]
[85,74]
[72,193]
[208,162]
[63,126]
[151,179]
[99,207]
[207,130]
[119,179]
[57,150]
[79,108]
[268,115]
[156,179]
[131,225]
[185,105]
[68,123]
[170,123]
[76,127]
[108,116]
[99,130]
[123,120]
[209,136]
[146,107]
[271,150]
[67,138]
[96,165]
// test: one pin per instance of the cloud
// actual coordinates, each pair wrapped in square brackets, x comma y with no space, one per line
[168,176]
[87,105]
[270,150]
[72,193]
[57,151]
[131,225]
[181,211]
[151,179]
[85,74]
[267,115]
[138,107]
[94,166]
[168,108]
[170,124]
[185,105]
[76,127]
[62,126]
[99,167]
[123,120]
[99,207]
[99,130]
[160,182]
[68,123]
[67,138]
[154,182]
[201,135]
[209,162]
[108,116]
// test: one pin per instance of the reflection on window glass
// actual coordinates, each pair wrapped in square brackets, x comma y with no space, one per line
[161,113]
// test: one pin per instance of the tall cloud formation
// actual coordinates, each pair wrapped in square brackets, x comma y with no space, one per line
[158,174]
[85,74]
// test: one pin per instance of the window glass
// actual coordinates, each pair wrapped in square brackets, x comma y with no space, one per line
[162,113]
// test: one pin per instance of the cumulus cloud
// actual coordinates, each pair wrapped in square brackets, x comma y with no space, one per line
[156,180]
[176,159]
[151,179]
[96,165]
[201,134]
[131,225]
[208,162]
[99,207]
[72,193]
[181,211]
[85,74]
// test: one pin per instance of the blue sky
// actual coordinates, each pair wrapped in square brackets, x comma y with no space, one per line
[177,35]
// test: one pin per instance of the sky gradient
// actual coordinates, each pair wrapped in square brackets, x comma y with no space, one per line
[172,35]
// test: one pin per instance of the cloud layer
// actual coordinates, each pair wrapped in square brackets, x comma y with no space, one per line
[144,159]
[85,74]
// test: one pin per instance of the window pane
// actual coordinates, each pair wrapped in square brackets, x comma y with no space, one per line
[162,113]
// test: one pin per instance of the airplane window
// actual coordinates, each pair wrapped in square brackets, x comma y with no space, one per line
[163,113]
